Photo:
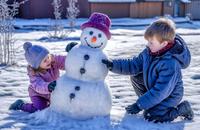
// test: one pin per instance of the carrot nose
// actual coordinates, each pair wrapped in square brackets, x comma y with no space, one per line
[94,39]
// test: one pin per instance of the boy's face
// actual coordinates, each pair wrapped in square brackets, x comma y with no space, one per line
[46,62]
[155,45]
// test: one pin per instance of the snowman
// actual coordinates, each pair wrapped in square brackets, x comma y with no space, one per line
[82,92]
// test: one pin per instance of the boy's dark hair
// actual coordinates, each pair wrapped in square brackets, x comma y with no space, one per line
[163,29]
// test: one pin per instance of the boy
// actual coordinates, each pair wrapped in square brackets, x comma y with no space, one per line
[156,74]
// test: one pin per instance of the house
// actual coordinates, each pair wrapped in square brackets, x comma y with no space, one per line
[44,9]
[114,8]
[192,9]
[139,8]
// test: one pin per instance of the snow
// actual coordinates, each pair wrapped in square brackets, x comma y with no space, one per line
[43,23]
[186,1]
[126,41]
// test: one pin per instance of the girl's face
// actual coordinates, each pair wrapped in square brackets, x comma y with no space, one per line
[46,62]
[154,45]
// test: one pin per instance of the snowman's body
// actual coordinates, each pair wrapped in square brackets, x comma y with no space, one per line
[81,92]
[85,64]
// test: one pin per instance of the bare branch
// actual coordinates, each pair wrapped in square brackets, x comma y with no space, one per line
[7,13]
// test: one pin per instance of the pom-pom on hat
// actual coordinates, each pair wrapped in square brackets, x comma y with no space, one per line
[34,54]
[99,21]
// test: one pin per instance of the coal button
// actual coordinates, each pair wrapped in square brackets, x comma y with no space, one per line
[77,88]
[72,96]
[82,70]
[86,57]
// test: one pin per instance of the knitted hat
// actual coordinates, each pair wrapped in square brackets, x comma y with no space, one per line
[99,21]
[34,54]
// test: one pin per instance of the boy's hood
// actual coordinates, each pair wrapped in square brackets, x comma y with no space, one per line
[181,52]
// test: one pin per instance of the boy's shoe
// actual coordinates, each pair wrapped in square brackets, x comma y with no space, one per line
[16,105]
[185,110]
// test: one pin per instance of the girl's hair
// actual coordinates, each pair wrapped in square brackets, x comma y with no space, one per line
[163,29]
[39,70]
[36,70]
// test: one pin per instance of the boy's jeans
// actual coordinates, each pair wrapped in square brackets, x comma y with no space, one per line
[138,84]
[169,114]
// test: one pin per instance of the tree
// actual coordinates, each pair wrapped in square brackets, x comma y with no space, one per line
[7,13]
[57,27]
[57,31]
[72,13]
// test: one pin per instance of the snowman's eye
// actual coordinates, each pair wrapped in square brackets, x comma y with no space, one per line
[91,32]
[99,35]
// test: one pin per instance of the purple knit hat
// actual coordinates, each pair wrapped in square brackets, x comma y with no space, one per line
[99,21]
[34,54]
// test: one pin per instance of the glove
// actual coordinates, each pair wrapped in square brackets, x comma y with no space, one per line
[70,46]
[52,86]
[133,109]
[108,63]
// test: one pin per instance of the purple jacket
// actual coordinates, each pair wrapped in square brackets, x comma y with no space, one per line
[39,81]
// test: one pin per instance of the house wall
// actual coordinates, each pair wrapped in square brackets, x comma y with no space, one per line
[168,8]
[145,9]
[84,7]
[36,9]
[139,9]
[113,10]
[182,10]
[44,9]
[193,9]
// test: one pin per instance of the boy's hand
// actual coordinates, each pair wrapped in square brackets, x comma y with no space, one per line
[70,46]
[52,86]
[108,63]
[133,109]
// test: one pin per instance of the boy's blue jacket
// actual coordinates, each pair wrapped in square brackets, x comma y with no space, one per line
[162,75]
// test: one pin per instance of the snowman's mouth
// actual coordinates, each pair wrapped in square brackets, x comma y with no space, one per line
[92,46]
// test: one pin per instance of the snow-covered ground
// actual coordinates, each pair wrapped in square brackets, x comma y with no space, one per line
[126,41]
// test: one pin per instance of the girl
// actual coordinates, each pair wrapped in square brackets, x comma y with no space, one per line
[43,71]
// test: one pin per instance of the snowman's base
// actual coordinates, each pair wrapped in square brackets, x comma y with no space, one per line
[81,100]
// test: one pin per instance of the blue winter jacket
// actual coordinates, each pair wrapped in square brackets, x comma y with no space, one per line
[162,75]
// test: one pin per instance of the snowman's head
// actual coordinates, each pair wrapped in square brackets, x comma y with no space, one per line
[93,38]
[96,31]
